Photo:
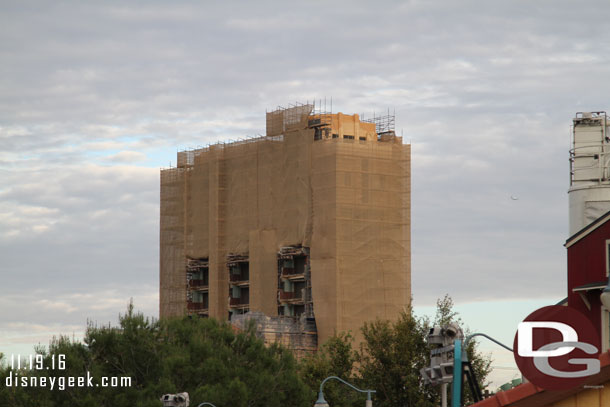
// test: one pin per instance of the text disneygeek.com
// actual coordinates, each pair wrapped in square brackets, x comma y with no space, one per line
[20,376]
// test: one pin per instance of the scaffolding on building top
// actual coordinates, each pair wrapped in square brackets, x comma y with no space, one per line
[384,123]
[318,113]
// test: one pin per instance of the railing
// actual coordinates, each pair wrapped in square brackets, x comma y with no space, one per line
[293,297]
[599,165]
[289,271]
[286,295]
[237,277]
[196,306]
[198,283]
[234,302]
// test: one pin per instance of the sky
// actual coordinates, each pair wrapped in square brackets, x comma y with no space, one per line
[96,97]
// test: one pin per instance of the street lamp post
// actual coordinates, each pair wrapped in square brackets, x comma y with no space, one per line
[459,357]
[321,402]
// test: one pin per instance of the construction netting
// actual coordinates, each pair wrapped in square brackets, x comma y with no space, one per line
[345,193]
[360,253]
[172,263]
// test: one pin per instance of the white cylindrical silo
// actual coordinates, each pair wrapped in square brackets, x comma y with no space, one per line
[589,193]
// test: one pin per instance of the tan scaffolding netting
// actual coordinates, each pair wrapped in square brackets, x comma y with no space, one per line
[172,261]
[347,199]
[361,243]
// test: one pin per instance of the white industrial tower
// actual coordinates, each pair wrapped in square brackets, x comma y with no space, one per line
[589,193]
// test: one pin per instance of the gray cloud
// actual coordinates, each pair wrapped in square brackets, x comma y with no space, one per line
[97,96]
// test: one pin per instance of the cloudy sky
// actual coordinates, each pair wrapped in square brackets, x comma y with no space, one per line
[95,97]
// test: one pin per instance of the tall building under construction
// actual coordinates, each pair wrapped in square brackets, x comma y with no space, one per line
[307,228]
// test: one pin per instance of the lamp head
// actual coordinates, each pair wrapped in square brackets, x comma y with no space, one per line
[453,331]
[321,402]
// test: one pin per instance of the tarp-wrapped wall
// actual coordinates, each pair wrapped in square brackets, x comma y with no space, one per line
[348,199]
[360,254]
[172,261]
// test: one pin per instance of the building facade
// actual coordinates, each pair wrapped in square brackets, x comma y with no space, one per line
[588,270]
[588,246]
[310,222]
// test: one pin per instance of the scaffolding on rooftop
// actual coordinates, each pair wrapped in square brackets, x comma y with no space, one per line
[384,123]
[318,113]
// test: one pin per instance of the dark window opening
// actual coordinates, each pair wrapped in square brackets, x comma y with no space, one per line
[239,296]
[240,271]
[298,310]
[200,278]
[298,289]
[245,296]
[299,264]
[317,135]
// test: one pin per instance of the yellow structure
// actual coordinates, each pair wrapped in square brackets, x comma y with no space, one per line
[311,220]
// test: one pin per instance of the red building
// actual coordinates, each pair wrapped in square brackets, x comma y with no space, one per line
[588,266]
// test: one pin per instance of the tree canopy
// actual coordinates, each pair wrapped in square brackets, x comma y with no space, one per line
[204,357]
[214,362]
[389,360]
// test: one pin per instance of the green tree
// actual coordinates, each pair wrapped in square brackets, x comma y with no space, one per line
[336,357]
[390,359]
[204,357]
[481,363]
[445,313]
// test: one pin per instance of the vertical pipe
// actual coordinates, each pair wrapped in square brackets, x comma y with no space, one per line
[456,394]
[444,394]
